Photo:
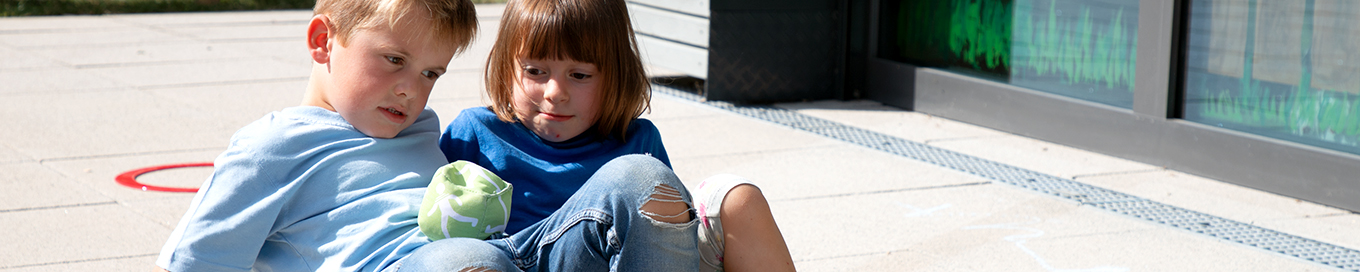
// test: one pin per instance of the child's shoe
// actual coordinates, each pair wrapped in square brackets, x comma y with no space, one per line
[708,200]
[477,200]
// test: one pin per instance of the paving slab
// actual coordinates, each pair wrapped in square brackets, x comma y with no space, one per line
[294,28]
[457,84]
[1044,157]
[1238,203]
[59,24]
[117,263]
[203,72]
[17,60]
[105,35]
[102,123]
[290,51]
[221,19]
[697,137]
[874,116]
[137,54]
[30,185]
[819,172]
[232,106]
[10,155]
[99,173]
[995,228]
[77,233]
[982,142]
[53,79]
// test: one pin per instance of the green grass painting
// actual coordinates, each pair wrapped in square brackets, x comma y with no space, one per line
[980,34]
[1319,114]
[1298,110]
[1077,49]
[969,34]
[1027,42]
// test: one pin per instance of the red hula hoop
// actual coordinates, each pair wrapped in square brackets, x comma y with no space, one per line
[129,178]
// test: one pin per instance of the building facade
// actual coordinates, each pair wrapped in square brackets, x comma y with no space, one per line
[1264,94]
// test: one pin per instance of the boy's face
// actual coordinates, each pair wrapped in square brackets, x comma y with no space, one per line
[556,99]
[381,81]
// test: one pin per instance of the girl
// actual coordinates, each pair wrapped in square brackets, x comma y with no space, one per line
[567,87]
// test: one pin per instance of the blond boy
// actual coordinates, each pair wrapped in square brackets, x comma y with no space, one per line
[336,183]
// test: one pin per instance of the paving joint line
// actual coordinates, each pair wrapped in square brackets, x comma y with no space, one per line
[132,154]
[928,142]
[221,83]
[1158,169]
[60,206]
[1084,194]
[82,261]
[946,186]
[852,255]
[758,152]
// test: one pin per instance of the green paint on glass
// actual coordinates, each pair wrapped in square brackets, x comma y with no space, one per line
[1083,49]
[1294,111]
[970,34]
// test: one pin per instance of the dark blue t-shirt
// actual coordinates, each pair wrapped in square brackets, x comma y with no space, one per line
[545,174]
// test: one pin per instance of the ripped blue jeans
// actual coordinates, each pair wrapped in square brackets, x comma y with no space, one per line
[603,227]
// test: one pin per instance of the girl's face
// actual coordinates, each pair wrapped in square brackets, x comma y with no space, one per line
[557,99]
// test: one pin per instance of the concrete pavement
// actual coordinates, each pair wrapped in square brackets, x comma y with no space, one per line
[85,98]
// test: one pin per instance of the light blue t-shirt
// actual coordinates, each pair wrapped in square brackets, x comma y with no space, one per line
[302,190]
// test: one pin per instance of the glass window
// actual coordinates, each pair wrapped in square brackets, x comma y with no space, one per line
[1078,48]
[1283,69]
[970,36]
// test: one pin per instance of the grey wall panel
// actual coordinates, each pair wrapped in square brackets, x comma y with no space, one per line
[694,7]
[679,27]
[687,59]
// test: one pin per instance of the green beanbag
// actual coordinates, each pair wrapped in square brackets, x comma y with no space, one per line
[465,200]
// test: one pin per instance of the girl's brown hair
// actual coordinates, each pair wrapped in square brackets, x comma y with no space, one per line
[598,32]
[454,21]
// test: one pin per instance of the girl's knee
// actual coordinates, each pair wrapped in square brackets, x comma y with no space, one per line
[666,204]
[644,177]
[634,163]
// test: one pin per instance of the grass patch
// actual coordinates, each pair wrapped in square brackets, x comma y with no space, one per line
[69,7]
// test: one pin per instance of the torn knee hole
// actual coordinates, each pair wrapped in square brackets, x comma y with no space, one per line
[477,269]
[666,205]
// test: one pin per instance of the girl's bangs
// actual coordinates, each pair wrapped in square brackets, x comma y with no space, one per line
[558,36]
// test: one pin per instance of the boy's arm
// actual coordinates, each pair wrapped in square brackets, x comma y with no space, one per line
[228,221]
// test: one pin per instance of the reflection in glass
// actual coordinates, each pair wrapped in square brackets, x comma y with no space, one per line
[1282,69]
[1078,48]
[970,36]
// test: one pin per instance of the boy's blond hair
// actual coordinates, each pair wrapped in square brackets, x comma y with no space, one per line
[452,20]
[591,31]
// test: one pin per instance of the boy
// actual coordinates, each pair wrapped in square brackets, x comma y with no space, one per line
[335,184]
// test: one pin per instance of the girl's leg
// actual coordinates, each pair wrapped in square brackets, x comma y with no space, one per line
[753,239]
[739,231]
[632,215]
[456,254]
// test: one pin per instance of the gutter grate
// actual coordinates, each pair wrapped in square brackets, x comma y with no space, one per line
[1084,194]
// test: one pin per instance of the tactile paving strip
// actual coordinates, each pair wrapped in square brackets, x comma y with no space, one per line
[1085,194]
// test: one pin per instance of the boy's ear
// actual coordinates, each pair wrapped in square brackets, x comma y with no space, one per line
[318,38]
